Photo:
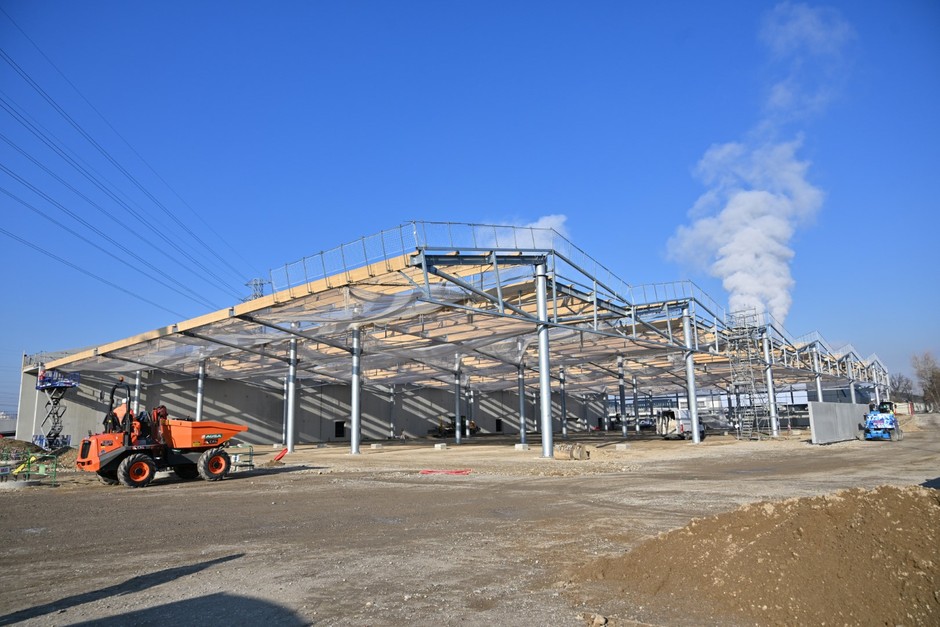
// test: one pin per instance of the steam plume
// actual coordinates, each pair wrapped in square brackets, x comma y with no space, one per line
[758,193]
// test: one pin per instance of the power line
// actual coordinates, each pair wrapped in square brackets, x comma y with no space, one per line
[193,295]
[91,140]
[126,143]
[93,204]
[8,106]
[87,273]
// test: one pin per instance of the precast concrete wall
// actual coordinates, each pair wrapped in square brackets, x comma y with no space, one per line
[322,413]
[835,422]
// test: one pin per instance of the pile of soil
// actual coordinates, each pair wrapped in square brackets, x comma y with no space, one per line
[854,557]
[9,446]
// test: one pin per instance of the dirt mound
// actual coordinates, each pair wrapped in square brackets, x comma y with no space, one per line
[9,445]
[854,557]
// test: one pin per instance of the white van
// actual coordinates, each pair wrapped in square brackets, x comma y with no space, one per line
[677,424]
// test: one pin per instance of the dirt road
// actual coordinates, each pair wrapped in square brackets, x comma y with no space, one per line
[330,538]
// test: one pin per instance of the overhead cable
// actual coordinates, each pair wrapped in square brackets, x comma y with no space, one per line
[128,144]
[220,282]
[124,260]
[91,140]
[86,272]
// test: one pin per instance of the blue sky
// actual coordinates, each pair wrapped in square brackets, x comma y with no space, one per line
[283,129]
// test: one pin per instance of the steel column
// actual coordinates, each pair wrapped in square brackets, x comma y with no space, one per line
[636,404]
[623,396]
[391,412]
[771,391]
[137,392]
[545,378]
[877,394]
[816,369]
[355,403]
[286,404]
[690,374]
[564,405]
[850,371]
[469,411]
[457,402]
[200,389]
[289,429]
[522,420]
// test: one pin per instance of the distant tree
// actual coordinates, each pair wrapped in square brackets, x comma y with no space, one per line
[928,376]
[902,387]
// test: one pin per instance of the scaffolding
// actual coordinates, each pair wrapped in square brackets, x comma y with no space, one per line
[746,364]
[54,385]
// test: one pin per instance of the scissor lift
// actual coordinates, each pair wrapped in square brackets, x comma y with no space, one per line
[55,384]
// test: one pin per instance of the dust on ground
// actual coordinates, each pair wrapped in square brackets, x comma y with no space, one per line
[332,538]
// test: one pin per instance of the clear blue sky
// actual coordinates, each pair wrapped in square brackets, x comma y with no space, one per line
[292,127]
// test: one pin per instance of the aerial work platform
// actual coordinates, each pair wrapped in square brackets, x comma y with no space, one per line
[54,384]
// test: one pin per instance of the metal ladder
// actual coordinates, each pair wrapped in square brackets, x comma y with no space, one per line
[745,359]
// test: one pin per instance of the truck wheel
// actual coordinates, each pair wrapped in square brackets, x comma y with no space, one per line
[860,435]
[894,434]
[900,434]
[214,464]
[136,471]
[107,477]
[186,472]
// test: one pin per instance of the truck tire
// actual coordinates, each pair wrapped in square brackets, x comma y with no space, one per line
[860,435]
[186,472]
[107,477]
[136,471]
[214,464]
[894,434]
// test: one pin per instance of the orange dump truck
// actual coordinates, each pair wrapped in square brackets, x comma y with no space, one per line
[133,448]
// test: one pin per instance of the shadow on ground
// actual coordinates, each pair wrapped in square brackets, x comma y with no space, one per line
[132,585]
[212,609]
[932,483]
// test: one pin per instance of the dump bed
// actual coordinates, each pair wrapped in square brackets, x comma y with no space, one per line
[205,434]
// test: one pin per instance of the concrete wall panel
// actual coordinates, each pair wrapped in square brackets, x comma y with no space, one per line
[835,422]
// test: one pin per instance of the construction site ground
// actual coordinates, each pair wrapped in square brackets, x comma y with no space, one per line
[331,538]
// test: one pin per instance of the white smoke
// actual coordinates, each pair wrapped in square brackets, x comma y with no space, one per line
[758,193]
[542,237]
[757,198]
[553,221]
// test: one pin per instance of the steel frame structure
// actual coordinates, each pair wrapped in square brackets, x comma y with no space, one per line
[486,306]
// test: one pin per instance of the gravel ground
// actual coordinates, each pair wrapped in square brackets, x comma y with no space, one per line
[330,538]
